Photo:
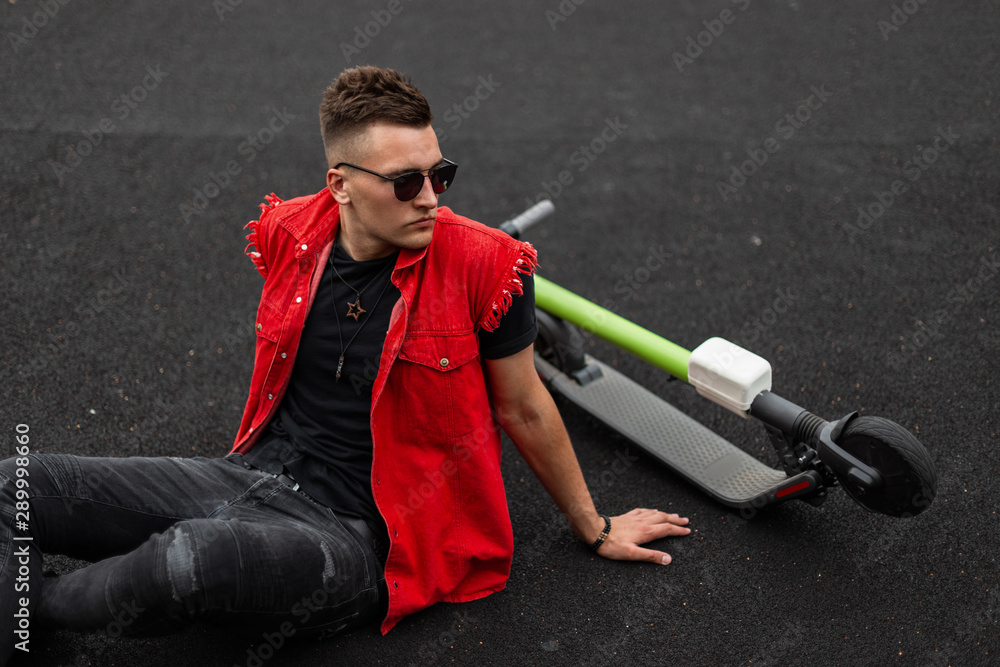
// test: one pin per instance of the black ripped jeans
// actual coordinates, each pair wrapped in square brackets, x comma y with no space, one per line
[175,541]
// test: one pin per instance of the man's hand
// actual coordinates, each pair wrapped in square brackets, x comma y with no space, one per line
[637,527]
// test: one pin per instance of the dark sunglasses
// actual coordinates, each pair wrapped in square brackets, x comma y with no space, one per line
[408,186]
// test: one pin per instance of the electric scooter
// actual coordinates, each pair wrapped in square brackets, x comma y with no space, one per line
[880,464]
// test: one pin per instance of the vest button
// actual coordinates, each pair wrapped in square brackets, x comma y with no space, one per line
[259,326]
[284,356]
[444,362]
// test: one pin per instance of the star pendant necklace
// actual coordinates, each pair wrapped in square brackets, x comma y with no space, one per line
[354,309]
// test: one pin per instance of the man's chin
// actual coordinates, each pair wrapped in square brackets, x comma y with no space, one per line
[418,236]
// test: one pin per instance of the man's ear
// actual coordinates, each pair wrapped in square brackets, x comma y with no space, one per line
[335,184]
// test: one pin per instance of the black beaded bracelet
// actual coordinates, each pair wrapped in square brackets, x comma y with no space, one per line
[604,534]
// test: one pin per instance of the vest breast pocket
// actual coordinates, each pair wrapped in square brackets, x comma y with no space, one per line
[443,381]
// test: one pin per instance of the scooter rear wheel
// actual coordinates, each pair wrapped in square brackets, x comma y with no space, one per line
[910,481]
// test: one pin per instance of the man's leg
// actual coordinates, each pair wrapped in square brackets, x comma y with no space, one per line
[287,577]
[53,503]
[108,509]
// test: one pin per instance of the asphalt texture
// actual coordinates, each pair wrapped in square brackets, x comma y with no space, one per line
[138,138]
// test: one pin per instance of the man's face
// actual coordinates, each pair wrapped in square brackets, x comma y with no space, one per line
[374,223]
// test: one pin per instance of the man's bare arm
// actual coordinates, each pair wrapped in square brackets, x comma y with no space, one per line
[527,413]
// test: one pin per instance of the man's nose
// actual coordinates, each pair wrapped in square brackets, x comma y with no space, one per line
[426,198]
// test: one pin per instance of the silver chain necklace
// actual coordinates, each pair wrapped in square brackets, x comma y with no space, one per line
[354,309]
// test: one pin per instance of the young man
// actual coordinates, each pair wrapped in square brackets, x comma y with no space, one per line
[393,338]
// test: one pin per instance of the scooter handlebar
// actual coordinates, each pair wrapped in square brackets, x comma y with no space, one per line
[519,224]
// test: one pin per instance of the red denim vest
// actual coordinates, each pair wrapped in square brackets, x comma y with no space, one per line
[436,459]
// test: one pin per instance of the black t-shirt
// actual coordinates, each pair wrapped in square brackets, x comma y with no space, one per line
[321,433]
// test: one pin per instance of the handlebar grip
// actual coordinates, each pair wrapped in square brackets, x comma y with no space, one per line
[517,225]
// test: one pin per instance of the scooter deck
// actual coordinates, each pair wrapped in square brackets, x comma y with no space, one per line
[696,453]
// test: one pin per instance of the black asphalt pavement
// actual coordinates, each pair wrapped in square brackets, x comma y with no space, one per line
[817,182]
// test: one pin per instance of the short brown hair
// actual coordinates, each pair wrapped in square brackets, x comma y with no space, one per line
[361,96]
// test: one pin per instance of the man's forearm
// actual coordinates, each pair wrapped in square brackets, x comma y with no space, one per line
[541,438]
[526,411]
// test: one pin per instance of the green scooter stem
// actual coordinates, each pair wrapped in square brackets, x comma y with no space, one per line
[613,328]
